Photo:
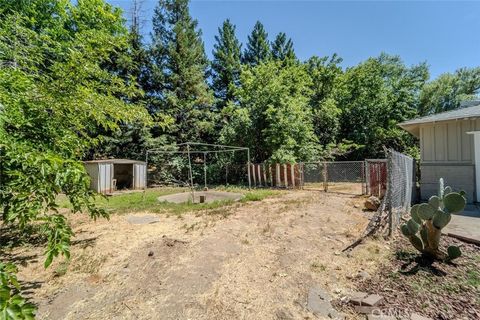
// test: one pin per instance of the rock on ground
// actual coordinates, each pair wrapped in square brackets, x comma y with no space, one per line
[318,302]
[372,203]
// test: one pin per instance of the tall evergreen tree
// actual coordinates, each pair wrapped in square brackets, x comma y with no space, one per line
[282,49]
[226,64]
[138,53]
[258,46]
[178,72]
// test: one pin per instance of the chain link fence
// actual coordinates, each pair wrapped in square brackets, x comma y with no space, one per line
[400,187]
[400,191]
[335,176]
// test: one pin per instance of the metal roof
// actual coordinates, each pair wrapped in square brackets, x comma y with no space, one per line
[115,161]
[461,113]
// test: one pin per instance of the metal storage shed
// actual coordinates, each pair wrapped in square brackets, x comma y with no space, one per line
[107,176]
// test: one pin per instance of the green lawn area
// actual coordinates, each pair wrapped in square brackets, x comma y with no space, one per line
[147,201]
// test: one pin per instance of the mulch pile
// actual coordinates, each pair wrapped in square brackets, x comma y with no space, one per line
[412,284]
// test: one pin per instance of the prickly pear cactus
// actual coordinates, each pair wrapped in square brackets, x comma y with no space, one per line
[424,229]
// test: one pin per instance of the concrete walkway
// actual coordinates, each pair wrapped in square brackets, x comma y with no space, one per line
[465,226]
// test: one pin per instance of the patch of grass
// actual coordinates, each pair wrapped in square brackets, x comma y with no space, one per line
[473,278]
[62,268]
[318,267]
[147,201]
[259,194]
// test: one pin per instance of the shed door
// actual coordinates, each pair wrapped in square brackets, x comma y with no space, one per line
[139,176]
[104,178]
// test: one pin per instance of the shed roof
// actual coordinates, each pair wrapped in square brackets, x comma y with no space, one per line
[470,109]
[115,161]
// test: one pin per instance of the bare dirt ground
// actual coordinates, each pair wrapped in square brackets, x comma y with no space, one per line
[253,260]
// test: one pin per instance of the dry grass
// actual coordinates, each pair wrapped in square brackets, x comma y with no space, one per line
[248,260]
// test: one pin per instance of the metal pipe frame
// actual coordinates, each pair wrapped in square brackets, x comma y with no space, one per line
[204,152]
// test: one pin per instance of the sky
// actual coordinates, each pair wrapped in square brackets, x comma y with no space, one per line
[446,35]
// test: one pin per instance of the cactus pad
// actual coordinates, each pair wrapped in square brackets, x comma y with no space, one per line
[414,214]
[406,232]
[424,235]
[413,226]
[447,190]
[441,219]
[426,211]
[453,252]
[434,201]
[416,242]
[454,202]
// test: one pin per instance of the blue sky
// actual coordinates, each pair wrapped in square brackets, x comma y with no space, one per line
[444,34]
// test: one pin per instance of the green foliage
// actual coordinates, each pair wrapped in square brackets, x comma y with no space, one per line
[326,76]
[178,69]
[57,98]
[273,119]
[282,49]
[226,64]
[258,46]
[449,90]
[430,218]
[12,305]
[375,96]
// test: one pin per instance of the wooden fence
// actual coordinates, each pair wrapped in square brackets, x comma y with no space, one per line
[276,175]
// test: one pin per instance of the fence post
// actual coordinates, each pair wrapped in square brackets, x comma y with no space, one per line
[226,174]
[248,170]
[325,177]
[271,174]
[364,182]
[388,197]
[301,167]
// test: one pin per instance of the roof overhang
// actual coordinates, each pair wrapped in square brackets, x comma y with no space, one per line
[413,128]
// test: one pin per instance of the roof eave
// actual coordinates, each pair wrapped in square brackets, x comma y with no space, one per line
[412,128]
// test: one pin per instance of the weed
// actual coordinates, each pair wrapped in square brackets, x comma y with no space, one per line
[318,267]
[245,241]
[62,268]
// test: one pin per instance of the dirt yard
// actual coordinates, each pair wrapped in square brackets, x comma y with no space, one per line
[254,260]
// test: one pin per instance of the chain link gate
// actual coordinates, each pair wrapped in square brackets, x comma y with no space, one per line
[400,187]
[335,176]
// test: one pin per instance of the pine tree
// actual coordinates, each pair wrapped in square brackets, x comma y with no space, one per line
[138,53]
[282,49]
[258,46]
[226,64]
[177,80]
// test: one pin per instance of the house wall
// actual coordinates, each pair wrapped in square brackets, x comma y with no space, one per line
[459,177]
[447,151]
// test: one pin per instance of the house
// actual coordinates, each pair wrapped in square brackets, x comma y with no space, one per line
[107,176]
[449,149]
